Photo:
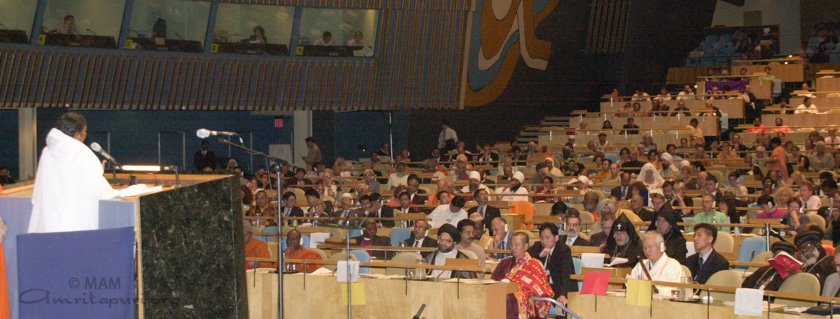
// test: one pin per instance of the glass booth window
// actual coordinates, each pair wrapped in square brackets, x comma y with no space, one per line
[86,23]
[16,18]
[168,25]
[337,32]
[253,29]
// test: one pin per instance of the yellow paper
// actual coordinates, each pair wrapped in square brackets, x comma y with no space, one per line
[638,292]
[357,294]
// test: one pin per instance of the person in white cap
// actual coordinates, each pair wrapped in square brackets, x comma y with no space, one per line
[668,170]
[515,188]
[582,184]
[474,185]
[552,170]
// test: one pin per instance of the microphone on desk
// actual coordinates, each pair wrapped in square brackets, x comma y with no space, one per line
[91,31]
[182,38]
[96,148]
[417,316]
[204,133]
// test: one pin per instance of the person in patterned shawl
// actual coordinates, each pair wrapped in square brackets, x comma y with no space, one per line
[530,275]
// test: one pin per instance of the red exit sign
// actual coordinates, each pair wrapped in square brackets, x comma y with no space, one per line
[278,122]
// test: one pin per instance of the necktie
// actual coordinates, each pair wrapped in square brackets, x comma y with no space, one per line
[623,191]
[569,241]
[416,243]
[481,211]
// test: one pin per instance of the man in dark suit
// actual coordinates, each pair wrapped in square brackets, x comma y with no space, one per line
[622,192]
[416,195]
[707,261]
[204,157]
[637,206]
[633,163]
[557,260]
[572,236]
[488,213]
[378,210]
[418,237]
[289,209]
[369,238]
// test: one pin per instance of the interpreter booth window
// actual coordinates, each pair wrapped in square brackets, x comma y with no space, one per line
[82,23]
[16,18]
[253,29]
[337,32]
[168,25]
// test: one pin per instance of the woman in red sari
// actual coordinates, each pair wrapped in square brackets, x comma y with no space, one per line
[531,277]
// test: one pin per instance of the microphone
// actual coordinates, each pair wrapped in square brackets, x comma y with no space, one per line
[96,148]
[91,31]
[417,316]
[182,38]
[204,133]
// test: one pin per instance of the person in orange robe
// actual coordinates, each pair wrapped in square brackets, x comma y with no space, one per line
[255,248]
[295,251]
[4,283]
[531,277]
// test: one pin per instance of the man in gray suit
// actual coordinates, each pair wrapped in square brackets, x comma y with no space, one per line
[501,237]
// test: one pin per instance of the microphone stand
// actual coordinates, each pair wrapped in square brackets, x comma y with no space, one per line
[279,165]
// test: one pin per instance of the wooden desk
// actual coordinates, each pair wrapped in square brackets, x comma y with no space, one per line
[320,297]
[733,107]
[609,306]
[709,124]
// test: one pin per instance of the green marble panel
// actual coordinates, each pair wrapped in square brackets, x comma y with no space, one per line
[193,252]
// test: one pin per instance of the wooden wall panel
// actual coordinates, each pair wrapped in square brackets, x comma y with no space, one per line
[417,64]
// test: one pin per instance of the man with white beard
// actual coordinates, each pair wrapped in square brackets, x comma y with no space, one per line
[813,256]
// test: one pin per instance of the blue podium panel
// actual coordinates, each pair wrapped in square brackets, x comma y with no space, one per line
[86,274]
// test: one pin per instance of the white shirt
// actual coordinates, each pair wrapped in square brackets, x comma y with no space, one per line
[511,199]
[443,215]
[321,42]
[813,202]
[68,187]
[447,134]
[685,96]
[394,181]
[665,269]
[440,260]
[353,43]
[802,109]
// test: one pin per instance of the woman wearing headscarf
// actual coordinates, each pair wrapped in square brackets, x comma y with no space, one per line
[624,242]
[650,177]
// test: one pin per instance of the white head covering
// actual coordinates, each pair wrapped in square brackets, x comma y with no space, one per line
[684,163]
[657,179]
[347,195]
[667,157]
[475,175]
[582,179]
[519,176]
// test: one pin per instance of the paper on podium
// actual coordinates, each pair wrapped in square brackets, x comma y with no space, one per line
[592,260]
[341,270]
[618,261]
[638,292]
[357,294]
[138,189]
[316,239]
[749,302]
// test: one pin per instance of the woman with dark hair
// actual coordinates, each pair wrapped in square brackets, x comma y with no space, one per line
[547,187]
[259,35]
[729,207]
[607,125]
